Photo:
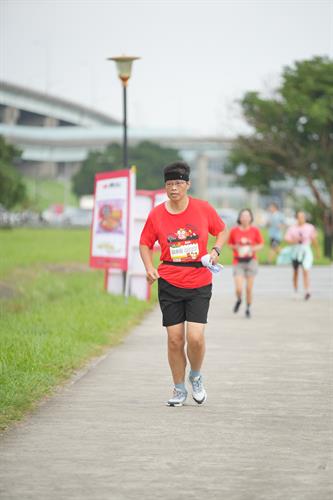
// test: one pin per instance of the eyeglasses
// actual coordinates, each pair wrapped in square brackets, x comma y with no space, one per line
[170,184]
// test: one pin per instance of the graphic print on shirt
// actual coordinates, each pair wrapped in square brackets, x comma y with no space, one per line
[183,244]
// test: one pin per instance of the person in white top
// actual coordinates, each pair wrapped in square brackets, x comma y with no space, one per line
[302,235]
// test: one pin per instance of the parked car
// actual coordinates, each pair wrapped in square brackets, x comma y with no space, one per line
[23,218]
[57,214]
[80,217]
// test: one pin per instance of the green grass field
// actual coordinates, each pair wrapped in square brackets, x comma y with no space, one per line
[25,247]
[45,192]
[54,314]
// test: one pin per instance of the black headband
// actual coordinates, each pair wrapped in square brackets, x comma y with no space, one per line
[173,176]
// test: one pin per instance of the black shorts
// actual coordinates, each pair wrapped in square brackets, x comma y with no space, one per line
[275,243]
[296,263]
[183,304]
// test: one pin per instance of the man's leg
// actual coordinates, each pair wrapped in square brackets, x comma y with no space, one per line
[277,249]
[195,345]
[271,254]
[177,362]
[195,352]
[274,250]
[176,352]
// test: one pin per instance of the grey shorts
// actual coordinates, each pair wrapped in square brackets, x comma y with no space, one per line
[246,269]
[275,243]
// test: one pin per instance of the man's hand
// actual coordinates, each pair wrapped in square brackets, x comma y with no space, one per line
[152,275]
[147,257]
[214,256]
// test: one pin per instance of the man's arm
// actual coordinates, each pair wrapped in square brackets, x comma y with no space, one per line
[221,238]
[147,258]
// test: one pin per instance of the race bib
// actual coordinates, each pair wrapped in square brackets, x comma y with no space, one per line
[184,252]
[245,251]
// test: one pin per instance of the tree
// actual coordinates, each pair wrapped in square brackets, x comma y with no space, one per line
[12,188]
[149,157]
[292,136]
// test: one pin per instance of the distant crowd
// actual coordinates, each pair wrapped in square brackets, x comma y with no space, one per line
[246,240]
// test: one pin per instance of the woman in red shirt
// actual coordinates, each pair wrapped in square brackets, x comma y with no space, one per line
[245,240]
[181,226]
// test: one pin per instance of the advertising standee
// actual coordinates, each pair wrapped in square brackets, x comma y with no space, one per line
[120,213]
[110,226]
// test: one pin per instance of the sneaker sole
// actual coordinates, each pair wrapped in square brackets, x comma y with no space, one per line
[200,402]
[174,404]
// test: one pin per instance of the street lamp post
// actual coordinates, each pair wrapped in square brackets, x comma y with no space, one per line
[124,67]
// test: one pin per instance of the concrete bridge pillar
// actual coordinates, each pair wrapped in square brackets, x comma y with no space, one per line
[202,177]
[11,115]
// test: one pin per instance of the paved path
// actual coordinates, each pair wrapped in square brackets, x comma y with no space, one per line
[263,434]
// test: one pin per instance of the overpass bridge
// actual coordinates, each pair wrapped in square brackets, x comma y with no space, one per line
[56,136]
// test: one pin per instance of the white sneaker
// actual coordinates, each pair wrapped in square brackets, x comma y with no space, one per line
[178,398]
[198,391]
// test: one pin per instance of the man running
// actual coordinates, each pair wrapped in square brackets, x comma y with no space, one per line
[181,225]
[276,224]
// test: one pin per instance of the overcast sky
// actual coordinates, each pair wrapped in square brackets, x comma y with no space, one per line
[198,57]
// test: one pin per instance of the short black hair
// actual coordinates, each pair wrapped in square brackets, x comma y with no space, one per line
[245,210]
[177,167]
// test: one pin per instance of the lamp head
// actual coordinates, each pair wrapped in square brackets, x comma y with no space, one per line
[124,66]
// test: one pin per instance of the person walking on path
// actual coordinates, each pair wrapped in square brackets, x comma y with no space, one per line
[245,240]
[181,225]
[275,225]
[302,235]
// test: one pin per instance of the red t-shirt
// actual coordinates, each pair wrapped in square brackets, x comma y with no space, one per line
[245,238]
[183,237]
